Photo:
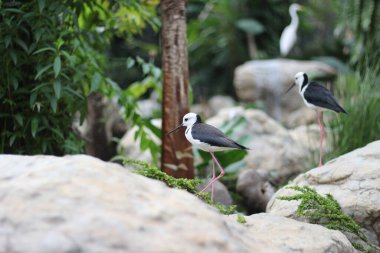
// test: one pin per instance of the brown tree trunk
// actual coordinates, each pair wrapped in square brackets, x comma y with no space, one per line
[176,150]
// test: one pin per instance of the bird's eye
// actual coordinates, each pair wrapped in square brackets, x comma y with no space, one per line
[186,119]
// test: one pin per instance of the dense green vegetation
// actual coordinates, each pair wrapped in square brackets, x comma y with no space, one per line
[52,57]
[326,211]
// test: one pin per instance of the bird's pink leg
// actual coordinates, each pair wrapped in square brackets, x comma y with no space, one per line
[213,176]
[322,136]
[216,178]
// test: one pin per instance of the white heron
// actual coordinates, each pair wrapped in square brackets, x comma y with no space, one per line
[289,35]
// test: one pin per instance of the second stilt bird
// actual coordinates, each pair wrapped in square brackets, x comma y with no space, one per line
[209,139]
[319,98]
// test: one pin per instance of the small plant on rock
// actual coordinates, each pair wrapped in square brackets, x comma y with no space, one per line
[189,185]
[326,211]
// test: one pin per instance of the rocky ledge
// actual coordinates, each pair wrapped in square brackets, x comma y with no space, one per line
[81,204]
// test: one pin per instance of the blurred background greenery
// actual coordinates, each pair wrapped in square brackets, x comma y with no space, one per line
[55,53]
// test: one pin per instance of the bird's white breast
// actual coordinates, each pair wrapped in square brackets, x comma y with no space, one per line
[202,145]
[302,93]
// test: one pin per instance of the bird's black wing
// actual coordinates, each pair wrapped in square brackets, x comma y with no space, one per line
[213,136]
[318,95]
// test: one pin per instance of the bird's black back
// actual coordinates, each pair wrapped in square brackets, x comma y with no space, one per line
[318,95]
[213,136]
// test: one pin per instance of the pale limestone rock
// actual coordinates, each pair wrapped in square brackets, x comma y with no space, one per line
[268,79]
[300,117]
[219,102]
[295,236]
[354,181]
[273,148]
[81,204]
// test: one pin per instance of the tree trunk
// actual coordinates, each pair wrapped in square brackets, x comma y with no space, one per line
[177,157]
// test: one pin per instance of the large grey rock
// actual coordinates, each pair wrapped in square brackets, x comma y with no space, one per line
[267,80]
[81,204]
[273,148]
[294,236]
[354,181]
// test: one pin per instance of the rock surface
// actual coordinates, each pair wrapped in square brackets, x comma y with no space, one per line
[354,181]
[81,204]
[294,236]
[256,190]
[268,79]
[274,149]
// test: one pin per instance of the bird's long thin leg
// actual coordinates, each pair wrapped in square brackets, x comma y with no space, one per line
[215,179]
[322,136]
[213,176]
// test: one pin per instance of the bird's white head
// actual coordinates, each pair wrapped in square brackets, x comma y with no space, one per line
[294,8]
[301,78]
[190,119]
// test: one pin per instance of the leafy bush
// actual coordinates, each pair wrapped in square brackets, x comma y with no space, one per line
[51,60]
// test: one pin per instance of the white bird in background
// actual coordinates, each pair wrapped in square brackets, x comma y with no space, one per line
[289,35]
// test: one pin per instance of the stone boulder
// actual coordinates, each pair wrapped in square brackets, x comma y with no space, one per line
[255,188]
[273,148]
[81,204]
[294,236]
[354,181]
[266,80]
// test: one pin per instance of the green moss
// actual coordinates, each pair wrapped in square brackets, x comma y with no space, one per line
[326,211]
[189,185]
[240,218]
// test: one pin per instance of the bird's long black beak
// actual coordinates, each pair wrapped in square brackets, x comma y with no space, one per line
[175,129]
[289,88]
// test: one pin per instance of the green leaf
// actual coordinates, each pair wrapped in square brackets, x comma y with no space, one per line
[43,50]
[250,26]
[32,99]
[12,140]
[57,66]
[41,5]
[57,88]
[130,63]
[14,82]
[95,82]
[41,71]
[145,68]
[13,56]
[7,40]
[21,44]
[34,126]
[53,104]
[14,10]
[19,119]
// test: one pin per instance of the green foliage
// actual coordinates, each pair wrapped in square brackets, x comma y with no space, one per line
[218,36]
[357,27]
[240,218]
[360,96]
[127,99]
[51,60]
[39,96]
[326,211]
[189,185]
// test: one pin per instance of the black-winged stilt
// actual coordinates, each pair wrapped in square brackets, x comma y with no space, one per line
[317,97]
[209,139]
